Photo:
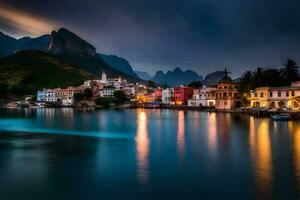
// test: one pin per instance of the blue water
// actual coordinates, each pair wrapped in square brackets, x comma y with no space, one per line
[146,154]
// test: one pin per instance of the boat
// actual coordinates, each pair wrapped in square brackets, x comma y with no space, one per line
[280,117]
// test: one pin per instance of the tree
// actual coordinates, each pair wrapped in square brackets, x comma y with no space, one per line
[290,72]
[3,89]
[105,101]
[151,84]
[195,84]
[78,96]
[246,82]
[88,93]
[257,77]
[120,95]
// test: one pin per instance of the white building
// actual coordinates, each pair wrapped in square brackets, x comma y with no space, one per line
[107,92]
[50,95]
[203,97]
[87,83]
[129,90]
[167,95]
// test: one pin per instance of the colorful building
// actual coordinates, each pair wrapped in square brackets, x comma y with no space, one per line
[145,98]
[182,94]
[205,97]
[41,96]
[276,97]
[158,95]
[227,94]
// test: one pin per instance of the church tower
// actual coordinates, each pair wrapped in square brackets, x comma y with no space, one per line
[103,77]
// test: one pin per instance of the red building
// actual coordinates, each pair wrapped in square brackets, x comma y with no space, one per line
[158,94]
[182,95]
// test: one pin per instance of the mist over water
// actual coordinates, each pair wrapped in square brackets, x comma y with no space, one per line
[146,154]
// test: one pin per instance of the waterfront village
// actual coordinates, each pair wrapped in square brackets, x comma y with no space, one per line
[222,96]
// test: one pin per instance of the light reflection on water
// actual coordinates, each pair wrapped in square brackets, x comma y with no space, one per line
[212,133]
[296,143]
[140,148]
[181,133]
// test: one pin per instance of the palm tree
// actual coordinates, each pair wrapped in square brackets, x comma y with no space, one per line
[246,82]
[290,71]
[258,77]
[245,85]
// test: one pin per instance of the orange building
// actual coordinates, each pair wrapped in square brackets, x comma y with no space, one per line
[145,98]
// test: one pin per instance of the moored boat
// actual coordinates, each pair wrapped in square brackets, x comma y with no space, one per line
[280,117]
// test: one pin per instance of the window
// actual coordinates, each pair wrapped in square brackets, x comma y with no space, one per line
[255,94]
[261,94]
[279,94]
[293,93]
[287,93]
[295,104]
[271,94]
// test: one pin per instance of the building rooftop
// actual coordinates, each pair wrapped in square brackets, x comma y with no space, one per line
[226,78]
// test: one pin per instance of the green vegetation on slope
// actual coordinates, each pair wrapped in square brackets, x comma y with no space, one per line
[27,71]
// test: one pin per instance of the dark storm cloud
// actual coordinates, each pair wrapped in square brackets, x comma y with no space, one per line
[203,35]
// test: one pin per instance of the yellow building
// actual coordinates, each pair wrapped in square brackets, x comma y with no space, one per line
[287,97]
[145,98]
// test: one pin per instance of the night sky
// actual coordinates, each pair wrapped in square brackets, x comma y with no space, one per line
[203,35]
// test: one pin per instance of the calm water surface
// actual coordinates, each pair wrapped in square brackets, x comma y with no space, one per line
[146,154]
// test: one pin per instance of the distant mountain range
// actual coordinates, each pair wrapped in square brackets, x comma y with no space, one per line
[143,75]
[10,45]
[176,77]
[213,78]
[69,47]
[54,55]
[119,63]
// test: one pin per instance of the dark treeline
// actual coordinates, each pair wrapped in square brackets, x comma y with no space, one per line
[269,77]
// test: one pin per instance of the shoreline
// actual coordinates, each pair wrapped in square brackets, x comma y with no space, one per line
[295,115]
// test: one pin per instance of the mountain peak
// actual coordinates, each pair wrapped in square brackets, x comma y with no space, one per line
[64,41]
[176,77]
[118,63]
[177,69]
[159,72]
